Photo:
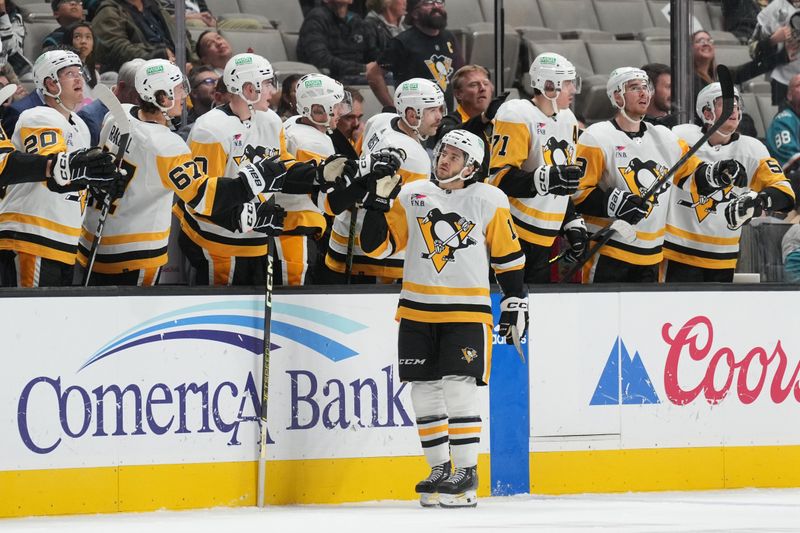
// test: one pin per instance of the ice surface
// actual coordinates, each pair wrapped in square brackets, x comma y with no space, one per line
[750,510]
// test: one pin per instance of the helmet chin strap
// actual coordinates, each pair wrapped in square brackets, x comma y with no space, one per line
[553,101]
[460,176]
[415,129]
[57,97]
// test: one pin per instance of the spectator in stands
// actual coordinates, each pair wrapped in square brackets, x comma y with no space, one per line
[385,17]
[337,41]
[287,104]
[221,94]
[66,12]
[773,32]
[197,13]
[80,37]
[661,104]
[350,126]
[12,34]
[739,18]
[203,83]
[783,134]
[126,29]
[214,50]
[124,90]
[425,50]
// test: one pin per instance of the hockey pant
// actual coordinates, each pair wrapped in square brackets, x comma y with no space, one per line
[18,269]
[604,269]
[294,260]
[537,262]
[208,269]
[144,277]
[448,421]
[682,273]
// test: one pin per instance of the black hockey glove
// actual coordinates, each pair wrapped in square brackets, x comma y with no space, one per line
[721,174]
[558,180]
[255,153]
[83,168]
[740,210]
[264,218]
[626,206]
[383,162]
[265,175]
[577,237]
[513,317]
[381,191]
[336,172]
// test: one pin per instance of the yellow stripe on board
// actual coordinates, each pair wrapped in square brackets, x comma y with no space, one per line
[197,486]
[664,469]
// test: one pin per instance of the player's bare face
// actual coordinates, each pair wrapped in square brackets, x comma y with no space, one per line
[71,80]
[179,92]
[431,118]
[637,97]
[567,95]
[475,91]
[450,162]
[732,123]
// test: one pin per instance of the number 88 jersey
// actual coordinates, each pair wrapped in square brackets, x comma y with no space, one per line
[525,138]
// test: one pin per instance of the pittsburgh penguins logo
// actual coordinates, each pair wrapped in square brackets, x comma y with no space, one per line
[707,205]
[641,175]
[251,152]
[444,234]
[79,196]
[441,68]
[558,152]
[469,354]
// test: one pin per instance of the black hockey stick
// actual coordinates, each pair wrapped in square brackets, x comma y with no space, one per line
[726,84]
[351,244]
[123,125]
[262,443]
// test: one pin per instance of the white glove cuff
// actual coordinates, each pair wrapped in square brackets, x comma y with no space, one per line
[60,170]
[541,180]
[385,185]
[513,303]
[247,218]
[575,223]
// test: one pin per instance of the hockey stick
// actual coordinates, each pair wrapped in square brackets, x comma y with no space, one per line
[7,92]
[262,443]
[123,125]
[726,84]
[351,244]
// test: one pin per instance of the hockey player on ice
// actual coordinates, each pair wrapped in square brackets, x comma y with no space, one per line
[43,220]
[452,229]
[705,216]
[160,165]
[321,101]
[533,162]
[622,158]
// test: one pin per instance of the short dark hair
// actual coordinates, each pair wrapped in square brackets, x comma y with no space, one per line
[355,94]
[655,70]
[197,48]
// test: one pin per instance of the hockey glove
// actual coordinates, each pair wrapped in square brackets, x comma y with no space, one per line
[740,210]
[85,167]
[264,218]
[383,162]
[577,237]
[381,192]
[721,174]
[513,317]
[558,180]
[626,206]
[336,172]
[265,175]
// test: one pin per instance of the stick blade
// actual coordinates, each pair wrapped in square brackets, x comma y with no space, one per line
[726,85]
[121,119]
[626,232]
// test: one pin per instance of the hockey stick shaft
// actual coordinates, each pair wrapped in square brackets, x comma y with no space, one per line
[351,244]
[726,84]
[262,443]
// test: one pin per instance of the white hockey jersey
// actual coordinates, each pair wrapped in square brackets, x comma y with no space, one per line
[611,158]
[525,138]
[34,219]
[450,238]
[417,166]
[378,122]
[218,141]
[697,233]
[159,165]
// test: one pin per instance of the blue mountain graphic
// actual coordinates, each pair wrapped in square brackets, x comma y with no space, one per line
[631,382]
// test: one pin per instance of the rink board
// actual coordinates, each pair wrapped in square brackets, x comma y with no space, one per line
[156,406]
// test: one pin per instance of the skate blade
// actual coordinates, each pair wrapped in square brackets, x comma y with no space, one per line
[463,499]
[429,499]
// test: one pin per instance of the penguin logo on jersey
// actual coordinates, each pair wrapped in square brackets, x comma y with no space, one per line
[444,234]
[641,175]
[469,354]
[707,205]
[251,153]
[558,152]
[441,68]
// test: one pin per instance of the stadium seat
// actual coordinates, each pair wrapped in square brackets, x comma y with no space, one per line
[715,15]
[285,13]
[243,21]
[622,17]
[371,104]
[657,52]
[605,57]
[757,85]
[655,33]
[287,68]
[574,50]
[35,34]
[568,14]
[290,43]
[767,110]
[267,43]
[517,12]
[39,8]
[223,6]
[701,14]
[592,104]
[535,33]
[480,49]
[660,20]
[460,14]
[751,108]
[732,56]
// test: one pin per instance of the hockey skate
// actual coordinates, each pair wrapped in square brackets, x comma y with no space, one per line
[428,488]
[460,489]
